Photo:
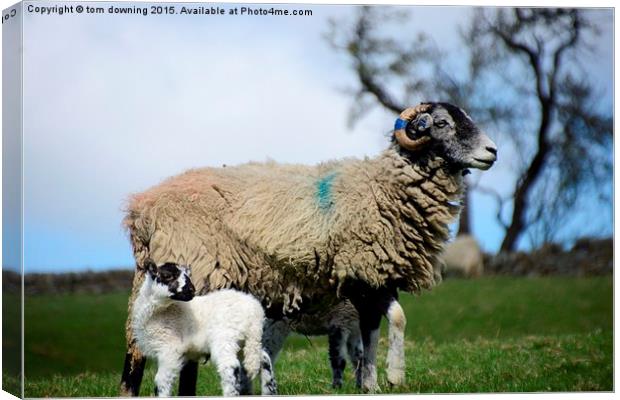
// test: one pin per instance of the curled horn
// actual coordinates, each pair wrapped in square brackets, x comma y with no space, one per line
[401,124]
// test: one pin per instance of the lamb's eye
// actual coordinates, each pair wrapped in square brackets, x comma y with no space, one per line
[440,124]
[166,276]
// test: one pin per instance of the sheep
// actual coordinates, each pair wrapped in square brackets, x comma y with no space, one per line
[341,324]
[300,238]
[173,326]
[464,257]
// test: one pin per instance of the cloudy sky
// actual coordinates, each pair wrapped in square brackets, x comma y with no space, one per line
[115,103]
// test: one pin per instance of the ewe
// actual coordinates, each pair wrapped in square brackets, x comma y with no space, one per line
[301,238]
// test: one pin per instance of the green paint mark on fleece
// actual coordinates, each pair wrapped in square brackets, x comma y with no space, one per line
[324,191]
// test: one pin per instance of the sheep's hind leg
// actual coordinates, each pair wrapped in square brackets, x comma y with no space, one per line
[396,350]
[188,378]
[275,332]
[133,370]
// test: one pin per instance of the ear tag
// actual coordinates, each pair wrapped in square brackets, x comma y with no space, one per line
[400,124]
[422,124]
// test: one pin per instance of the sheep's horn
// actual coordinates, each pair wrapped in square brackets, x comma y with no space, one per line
[401,123]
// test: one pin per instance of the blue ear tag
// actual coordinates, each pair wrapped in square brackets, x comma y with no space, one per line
[422,124]
[400,124]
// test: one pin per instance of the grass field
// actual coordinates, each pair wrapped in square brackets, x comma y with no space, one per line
[486,335]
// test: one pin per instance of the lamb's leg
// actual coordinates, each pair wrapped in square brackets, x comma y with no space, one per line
[337,342]
[168,368]
[396,350]
[229,369]
[133,369]
[188,378]
[267,380]
[355,349]
[245,382]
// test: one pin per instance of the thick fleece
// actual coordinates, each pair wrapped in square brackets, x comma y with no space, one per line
[291,234]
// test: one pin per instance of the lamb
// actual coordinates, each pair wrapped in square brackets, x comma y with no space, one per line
[301,238]
[173,326]
[341,324]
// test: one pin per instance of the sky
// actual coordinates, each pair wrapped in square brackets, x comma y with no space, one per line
[113,104]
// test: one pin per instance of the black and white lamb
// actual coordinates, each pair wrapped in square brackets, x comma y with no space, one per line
[173,327]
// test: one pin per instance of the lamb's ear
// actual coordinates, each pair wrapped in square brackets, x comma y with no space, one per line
[150,267]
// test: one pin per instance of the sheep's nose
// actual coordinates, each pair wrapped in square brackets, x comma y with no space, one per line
[492,150]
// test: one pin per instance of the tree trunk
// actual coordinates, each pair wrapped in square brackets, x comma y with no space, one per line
[464,223]
[525,184]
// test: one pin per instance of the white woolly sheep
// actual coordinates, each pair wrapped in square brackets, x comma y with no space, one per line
[463,257]
[300,238]
[172,326]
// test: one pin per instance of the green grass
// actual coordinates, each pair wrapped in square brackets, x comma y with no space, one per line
[11,343]
[486,335]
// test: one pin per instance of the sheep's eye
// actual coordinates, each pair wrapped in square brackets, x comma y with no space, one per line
[440,124]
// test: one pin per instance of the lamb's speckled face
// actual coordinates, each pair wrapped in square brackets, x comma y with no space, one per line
[454,136]
[173,281]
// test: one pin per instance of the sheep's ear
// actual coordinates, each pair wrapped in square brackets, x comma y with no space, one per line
[423,122]
[150,267]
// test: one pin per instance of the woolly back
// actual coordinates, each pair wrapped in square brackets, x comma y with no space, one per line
[292,234]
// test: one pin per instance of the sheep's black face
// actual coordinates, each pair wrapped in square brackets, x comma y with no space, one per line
[174,280]
[454,136]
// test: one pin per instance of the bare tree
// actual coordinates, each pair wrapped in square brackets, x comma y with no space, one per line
[548,113]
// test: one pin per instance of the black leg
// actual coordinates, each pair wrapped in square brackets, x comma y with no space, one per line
[371,304]
[336,358]
[188,378]
[132,375]
[245,382]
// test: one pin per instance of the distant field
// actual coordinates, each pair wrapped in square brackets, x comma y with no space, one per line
[487,335]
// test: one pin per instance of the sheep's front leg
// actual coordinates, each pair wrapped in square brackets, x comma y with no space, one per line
[168,368]
[396,350]
[371,305]
[355,348]
[370,341]
[337,341]
[370,318]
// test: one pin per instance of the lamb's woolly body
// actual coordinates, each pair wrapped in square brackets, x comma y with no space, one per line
[217,325]
[274,231]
